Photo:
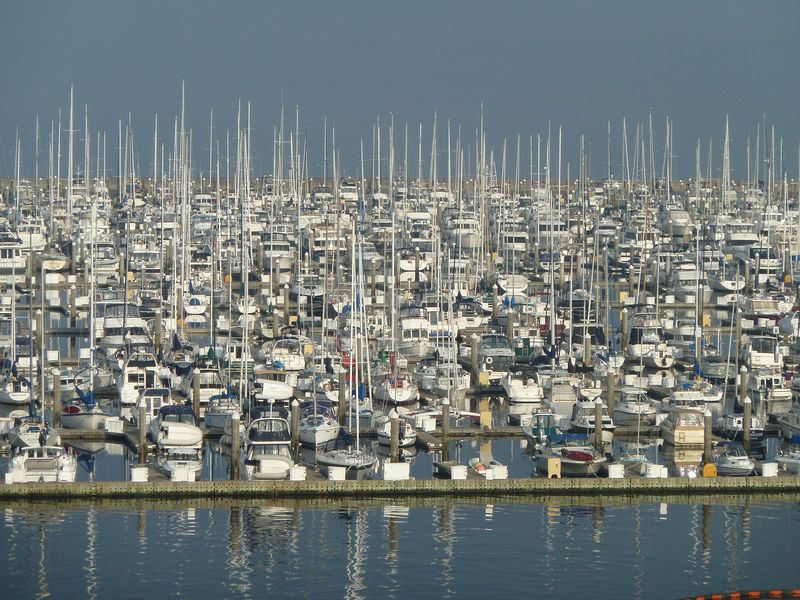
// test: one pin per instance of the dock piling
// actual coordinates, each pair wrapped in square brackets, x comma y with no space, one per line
[196,393]
[707,458]
[611,391]
[587,350]
[157,344]
[73,305]
[631,280]
[56,373]
[142,423]
[122,268]
[598,424]
[394,448]
[623,329]
[747,424]
[286,303]
[342,398]
[295,426]
[743,380]
[445,429]
[235,445]
[748,282]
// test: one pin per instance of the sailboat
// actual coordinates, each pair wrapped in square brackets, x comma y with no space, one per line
[14,389]
[83,413]
[353,457]
[31,430]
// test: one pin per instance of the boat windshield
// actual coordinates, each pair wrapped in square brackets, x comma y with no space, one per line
[763,345]
[179,418]
[270,450]
[495,341]
[689,419]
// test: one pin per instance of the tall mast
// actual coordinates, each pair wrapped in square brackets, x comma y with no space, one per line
[210,145]
[69,158]
[36,161]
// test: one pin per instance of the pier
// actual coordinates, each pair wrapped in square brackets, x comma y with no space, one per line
[655,489]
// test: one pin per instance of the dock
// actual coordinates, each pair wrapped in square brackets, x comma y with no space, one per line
[655,489]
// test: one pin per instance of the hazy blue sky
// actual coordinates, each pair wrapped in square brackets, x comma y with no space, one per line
[576,63]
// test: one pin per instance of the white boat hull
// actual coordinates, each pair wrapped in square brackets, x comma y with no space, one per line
[84,420]
[178,435]
[317,437]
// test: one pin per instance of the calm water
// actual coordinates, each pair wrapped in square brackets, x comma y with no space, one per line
[429,550]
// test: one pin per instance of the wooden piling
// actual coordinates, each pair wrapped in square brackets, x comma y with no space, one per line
[394,448]
[235,446]
[624,329]
[196,394]
[286,313]
[598,424]
[747,421]
[340,411]
[142,422]
[122,271]
[73,305]
[56,374]
[587,350]
[295,427]
[445,429]
[474,359]
[707,457]
[743,378]
[159,329]
[631,280]
[748,282]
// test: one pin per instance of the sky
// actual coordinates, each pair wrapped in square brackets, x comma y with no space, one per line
[577,64]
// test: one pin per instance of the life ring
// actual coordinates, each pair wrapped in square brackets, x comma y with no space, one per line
[488,360]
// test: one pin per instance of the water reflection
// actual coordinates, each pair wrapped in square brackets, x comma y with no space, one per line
[566,548]
[445,537]
[91,553]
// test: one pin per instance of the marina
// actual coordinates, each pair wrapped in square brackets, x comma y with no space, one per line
[374,300]
[331,332]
